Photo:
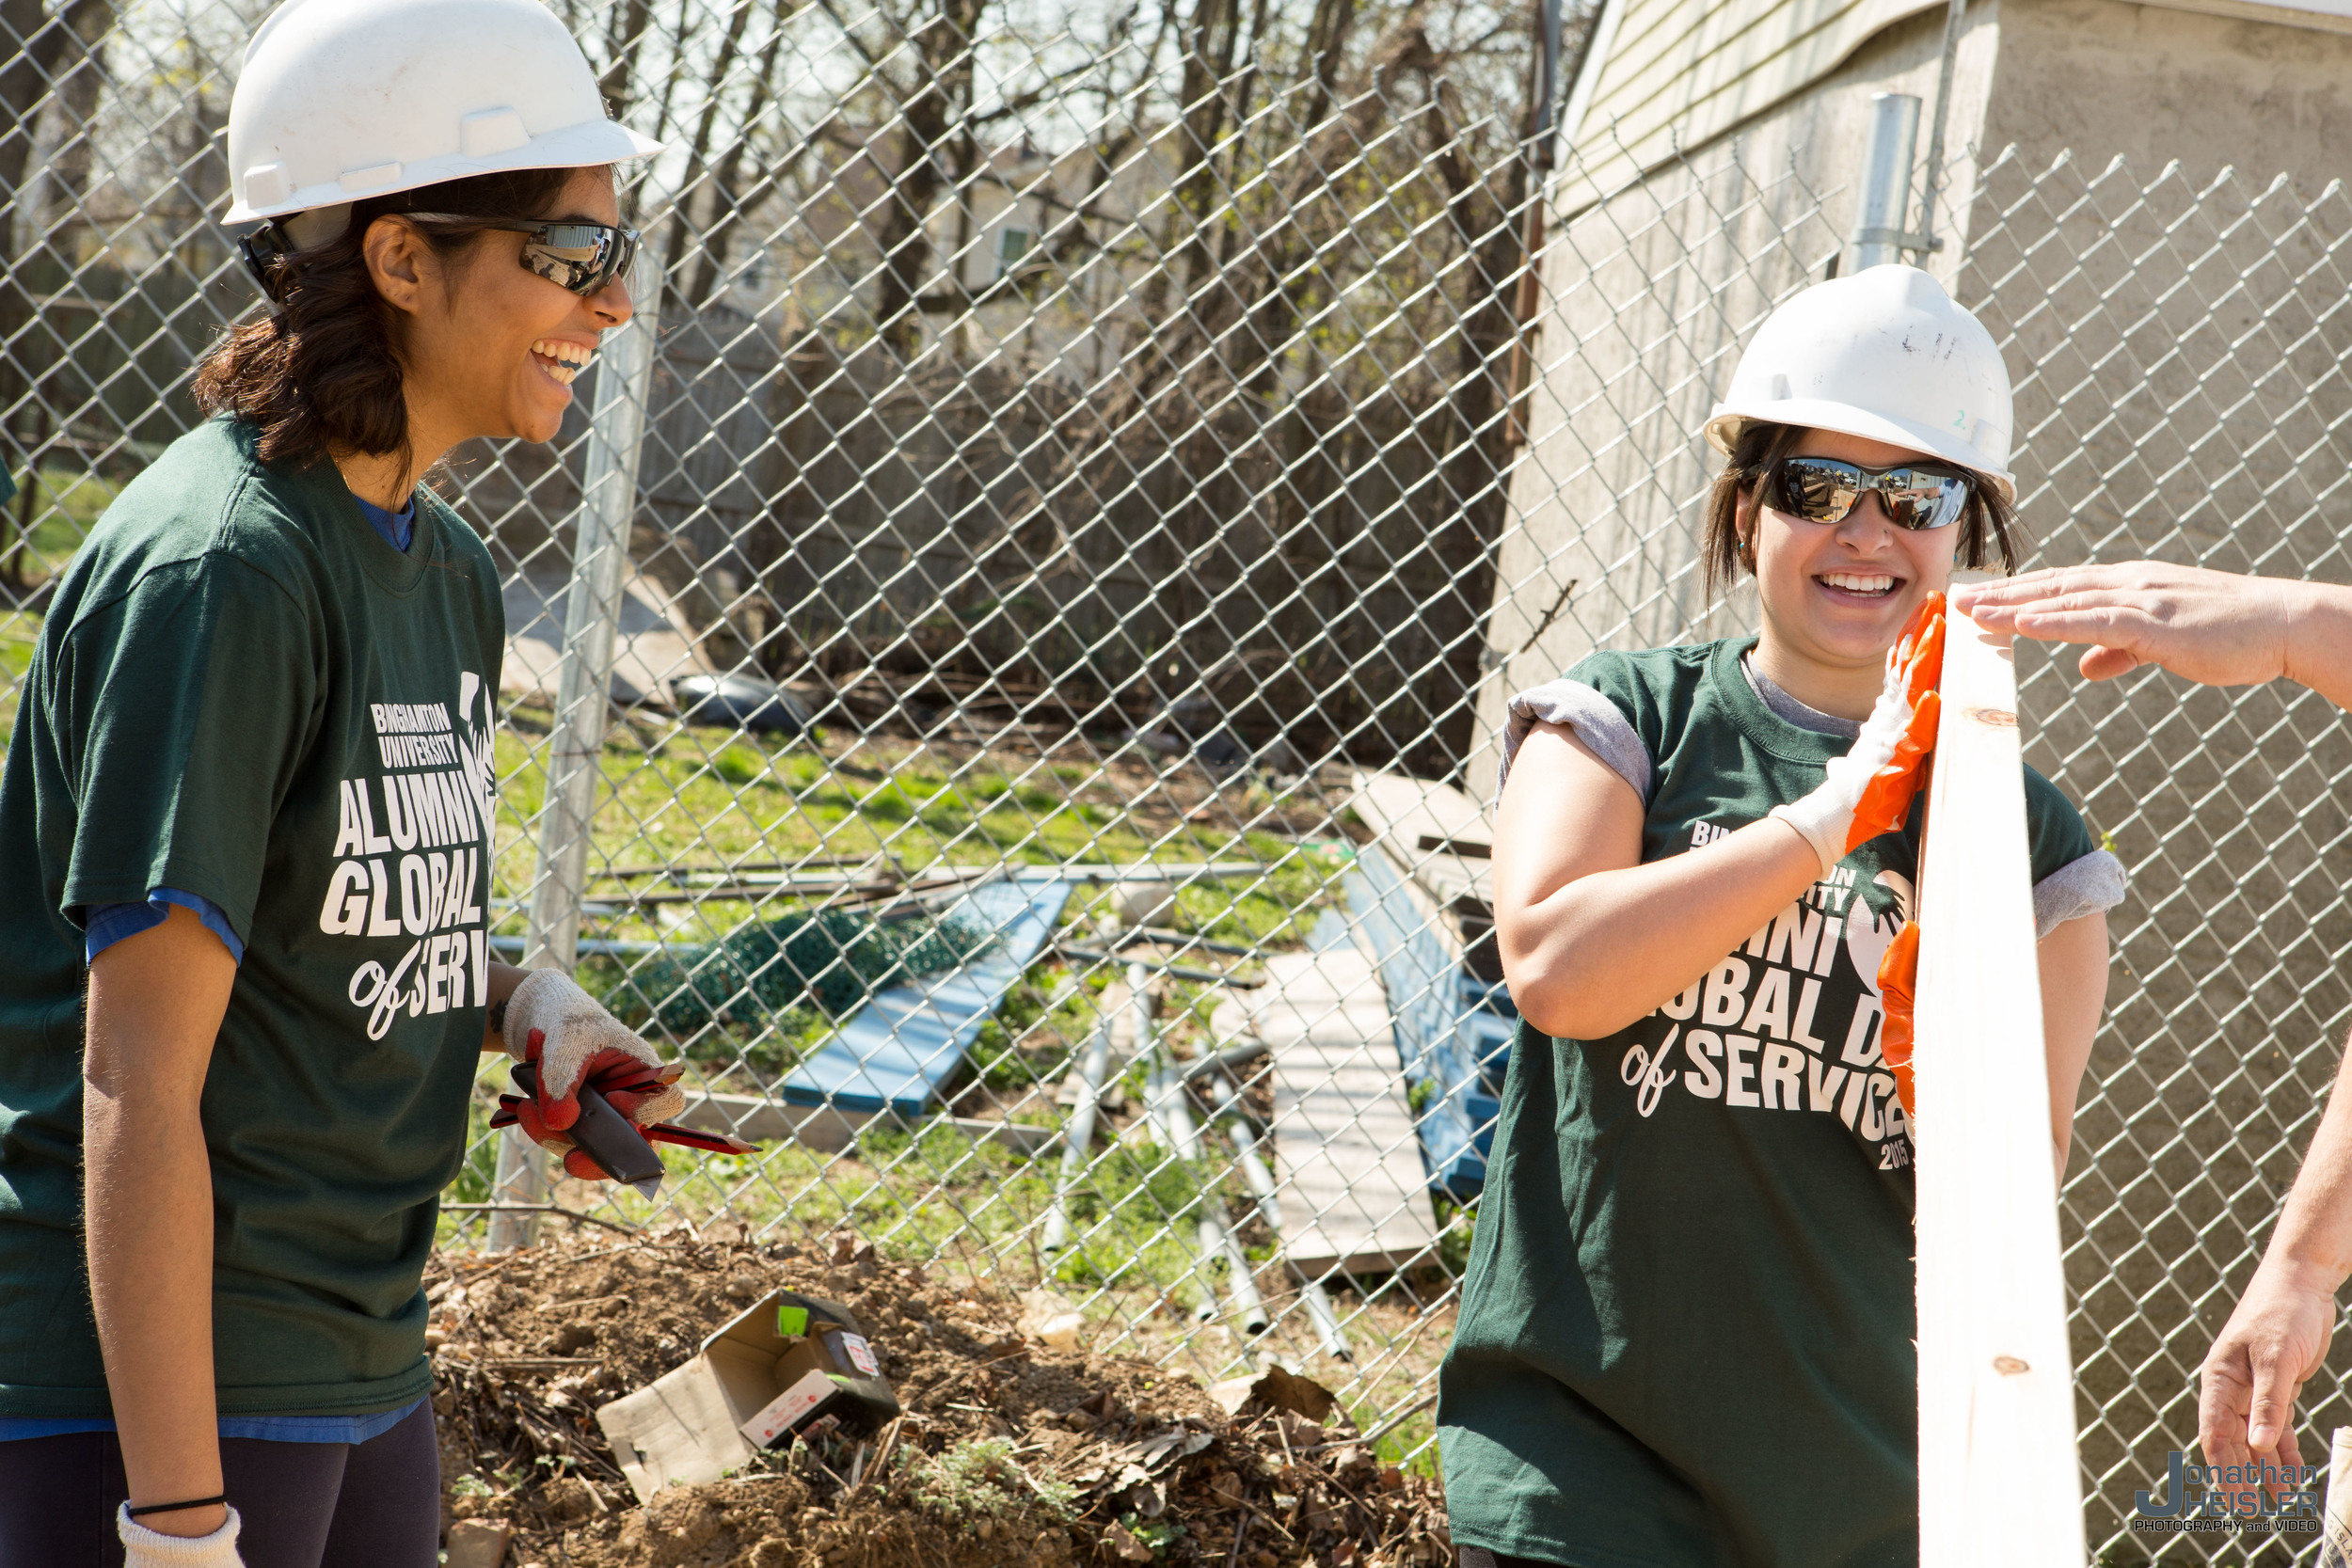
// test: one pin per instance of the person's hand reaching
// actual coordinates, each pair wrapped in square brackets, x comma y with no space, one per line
[2247,1389]
[2215,627]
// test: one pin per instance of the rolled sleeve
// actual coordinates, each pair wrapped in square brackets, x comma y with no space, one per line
[2092,884]
[1592,716]
[110,922]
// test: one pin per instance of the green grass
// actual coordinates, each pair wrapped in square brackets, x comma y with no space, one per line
[18,635]
[66,505]
[688,795]
[979,1479]
[1412,1447]
[930,1192]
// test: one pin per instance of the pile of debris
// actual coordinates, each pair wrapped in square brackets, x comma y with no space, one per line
[1012,1446]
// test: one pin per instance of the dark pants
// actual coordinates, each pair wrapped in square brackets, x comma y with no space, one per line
[305,1505]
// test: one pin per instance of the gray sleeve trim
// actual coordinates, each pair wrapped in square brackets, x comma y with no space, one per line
[2089,885]
[1596,719]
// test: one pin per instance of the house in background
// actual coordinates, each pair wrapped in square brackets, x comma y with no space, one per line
[2177,347]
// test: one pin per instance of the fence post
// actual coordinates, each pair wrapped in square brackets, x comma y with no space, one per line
[1879,234]
[591,610]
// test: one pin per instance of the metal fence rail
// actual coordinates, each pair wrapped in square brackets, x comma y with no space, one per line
[1088,440]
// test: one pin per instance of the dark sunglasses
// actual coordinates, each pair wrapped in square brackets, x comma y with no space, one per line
[1917,494]
[580,257]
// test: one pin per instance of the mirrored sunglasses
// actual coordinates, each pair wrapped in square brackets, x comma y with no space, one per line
[1917,496]
[580,257]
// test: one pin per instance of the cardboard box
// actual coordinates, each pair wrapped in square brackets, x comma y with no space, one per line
[692,1424]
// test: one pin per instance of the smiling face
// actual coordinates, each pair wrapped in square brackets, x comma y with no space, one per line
[493,348]
[1836,595]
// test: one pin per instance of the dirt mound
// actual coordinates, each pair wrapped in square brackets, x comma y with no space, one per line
[1011,1451]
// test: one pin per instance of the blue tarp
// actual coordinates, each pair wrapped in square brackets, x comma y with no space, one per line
[897,1052]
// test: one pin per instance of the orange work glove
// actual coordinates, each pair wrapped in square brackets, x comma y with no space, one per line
[1915,666]
[1879,773]
[1899,982]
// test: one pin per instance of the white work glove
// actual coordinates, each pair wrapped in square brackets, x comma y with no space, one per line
[1826,815]
[149,1548]
[569,1037]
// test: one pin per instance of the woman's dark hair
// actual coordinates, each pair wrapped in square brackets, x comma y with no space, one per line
[321,373]
[1727,546]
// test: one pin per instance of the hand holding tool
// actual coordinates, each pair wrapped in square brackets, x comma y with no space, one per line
[566,1034]
[603,1141]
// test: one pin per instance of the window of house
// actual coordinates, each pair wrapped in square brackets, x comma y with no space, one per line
[1012,245]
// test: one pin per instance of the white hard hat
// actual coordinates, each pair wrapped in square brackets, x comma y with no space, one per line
[1884,355]
[345,99]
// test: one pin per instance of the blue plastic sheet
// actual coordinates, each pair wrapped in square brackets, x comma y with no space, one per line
[1453,1034]
[895,1052]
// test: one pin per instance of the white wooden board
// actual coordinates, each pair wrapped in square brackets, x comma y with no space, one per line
[1998,1477]
[1346,1165]
[1435,832]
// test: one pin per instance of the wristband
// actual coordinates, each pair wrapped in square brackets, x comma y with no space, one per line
[173,1508]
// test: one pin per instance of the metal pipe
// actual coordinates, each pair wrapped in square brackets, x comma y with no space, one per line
[592,614]
[1181,972]
[1260,1180]
[1078,1134]
[1225,1061]
[1878,235]
[1171,1107]
[1240,1281]
[1955,15]
[1171,1122]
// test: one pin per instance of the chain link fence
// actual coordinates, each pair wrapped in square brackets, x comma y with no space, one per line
[968,664]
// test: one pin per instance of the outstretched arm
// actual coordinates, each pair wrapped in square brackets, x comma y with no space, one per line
[2277,1336]
[2215,627]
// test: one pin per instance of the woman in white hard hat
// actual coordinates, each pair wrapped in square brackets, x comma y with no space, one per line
[246,807]
[1687,1333]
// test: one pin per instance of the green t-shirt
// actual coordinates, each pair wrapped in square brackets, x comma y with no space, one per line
[241,692]
[1686,1337]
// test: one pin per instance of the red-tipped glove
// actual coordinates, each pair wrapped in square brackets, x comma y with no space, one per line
[1880,774]
[567,1035]
[628,1087]
[1899,982]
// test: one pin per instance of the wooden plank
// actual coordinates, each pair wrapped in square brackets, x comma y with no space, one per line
[1347,1169]
[1435,832]
[1998,1477]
